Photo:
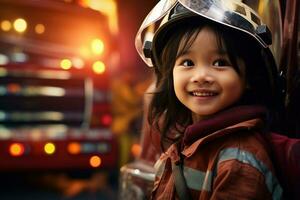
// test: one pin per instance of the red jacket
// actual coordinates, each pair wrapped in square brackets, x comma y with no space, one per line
[222,159]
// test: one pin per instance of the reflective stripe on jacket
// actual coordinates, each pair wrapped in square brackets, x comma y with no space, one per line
[227,163]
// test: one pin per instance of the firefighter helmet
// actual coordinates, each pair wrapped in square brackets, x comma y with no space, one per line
[257,18]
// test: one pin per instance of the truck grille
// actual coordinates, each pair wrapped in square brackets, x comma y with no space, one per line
[29,97]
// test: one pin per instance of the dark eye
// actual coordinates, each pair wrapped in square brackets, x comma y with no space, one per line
[187,63]
[221,63]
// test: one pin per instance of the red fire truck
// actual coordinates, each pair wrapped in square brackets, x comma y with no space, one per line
[54,87]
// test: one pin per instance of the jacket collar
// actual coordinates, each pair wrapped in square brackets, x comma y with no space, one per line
[224,119]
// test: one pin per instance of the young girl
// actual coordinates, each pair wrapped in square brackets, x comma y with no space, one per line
[216,94]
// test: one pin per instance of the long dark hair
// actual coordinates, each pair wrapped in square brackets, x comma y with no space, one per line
[166,113]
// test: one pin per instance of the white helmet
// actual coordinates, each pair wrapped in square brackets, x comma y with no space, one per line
[257,18]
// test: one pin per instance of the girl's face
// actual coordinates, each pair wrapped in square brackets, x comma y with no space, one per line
[204,79]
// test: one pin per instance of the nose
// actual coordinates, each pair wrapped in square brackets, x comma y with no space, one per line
[202,75]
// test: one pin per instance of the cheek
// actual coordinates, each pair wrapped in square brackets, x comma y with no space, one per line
[178,84]
[232,85]
[236,88]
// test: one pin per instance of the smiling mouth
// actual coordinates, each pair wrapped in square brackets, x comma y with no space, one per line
[203,94]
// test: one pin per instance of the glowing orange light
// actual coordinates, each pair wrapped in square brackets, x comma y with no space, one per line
[99,67]
[20,25]
[136,150]
[95,161]
[16,149]
[74,148]
[13,88]
[66,64]
[39,28]
[5,25]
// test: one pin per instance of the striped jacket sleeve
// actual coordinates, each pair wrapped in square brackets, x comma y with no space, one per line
[239,174]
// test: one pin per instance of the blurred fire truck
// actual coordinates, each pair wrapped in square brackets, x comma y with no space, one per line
[54,87]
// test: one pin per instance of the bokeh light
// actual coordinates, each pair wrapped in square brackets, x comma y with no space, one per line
[74,148]
[99,67]
[6,25]
[16,149]
[95,161]
[20,25]
[49,148]
[97,46]
[66,64]
[136,150]
[39,28]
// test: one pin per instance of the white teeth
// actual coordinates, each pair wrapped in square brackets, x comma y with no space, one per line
[203,94]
